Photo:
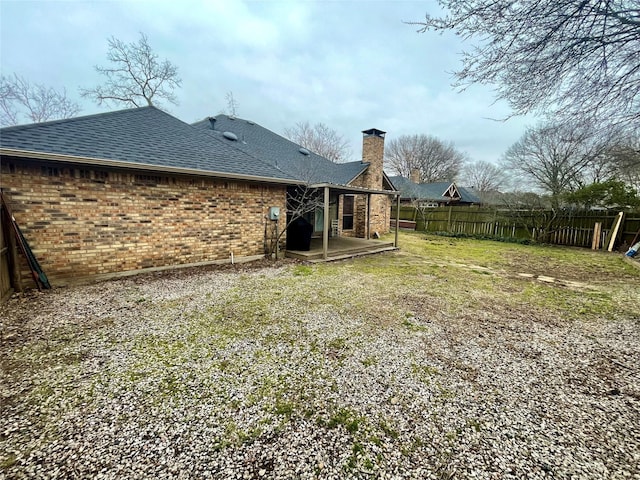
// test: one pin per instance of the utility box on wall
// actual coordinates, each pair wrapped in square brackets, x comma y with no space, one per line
[274,213]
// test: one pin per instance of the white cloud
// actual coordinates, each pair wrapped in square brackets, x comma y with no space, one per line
[352,65]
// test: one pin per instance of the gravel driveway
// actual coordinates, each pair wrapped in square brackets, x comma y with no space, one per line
[357,369]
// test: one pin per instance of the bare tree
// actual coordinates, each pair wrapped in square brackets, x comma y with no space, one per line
[537,214]
[320,139]
[483,176]
[136,76]
[624,156]
[21,100]
[552,158]
[570,58]
[433,158]
[301,200]
[422,208]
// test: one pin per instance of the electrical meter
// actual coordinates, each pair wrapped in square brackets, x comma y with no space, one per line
[274,213]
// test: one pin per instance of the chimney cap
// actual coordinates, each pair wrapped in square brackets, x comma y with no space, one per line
[373,132]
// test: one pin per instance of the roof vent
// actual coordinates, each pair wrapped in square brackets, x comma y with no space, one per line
[230,136]
[304,151]
[250,122]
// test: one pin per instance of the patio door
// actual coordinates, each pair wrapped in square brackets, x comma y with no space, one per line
[318,220]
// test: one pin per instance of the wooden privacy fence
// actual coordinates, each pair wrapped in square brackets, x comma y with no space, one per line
[567,228]
[571,236]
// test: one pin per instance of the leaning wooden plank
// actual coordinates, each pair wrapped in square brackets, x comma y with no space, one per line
[18,240]
[614,232]
[39,277]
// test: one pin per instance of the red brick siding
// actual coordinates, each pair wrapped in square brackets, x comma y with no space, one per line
[84,222]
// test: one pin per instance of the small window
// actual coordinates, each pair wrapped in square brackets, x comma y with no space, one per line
[347,212]
[428,205]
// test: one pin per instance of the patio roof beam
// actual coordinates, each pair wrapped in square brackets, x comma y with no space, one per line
[325,230]
[368,226]
[342,189]
[397,220]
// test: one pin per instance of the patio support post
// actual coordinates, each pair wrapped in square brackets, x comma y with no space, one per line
[325,229]
[367,233]
[397,219]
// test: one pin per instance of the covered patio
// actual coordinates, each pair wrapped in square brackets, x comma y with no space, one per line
[339,248]
[328,247]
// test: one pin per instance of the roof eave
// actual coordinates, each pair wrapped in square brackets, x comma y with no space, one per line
[98,162]
[351,189]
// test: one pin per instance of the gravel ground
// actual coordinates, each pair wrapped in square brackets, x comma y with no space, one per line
[298,371]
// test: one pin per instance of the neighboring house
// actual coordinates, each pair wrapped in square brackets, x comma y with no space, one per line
[138,189]
[437,194]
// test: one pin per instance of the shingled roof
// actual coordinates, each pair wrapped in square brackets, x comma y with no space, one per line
[432,191]
[139,137]
[280,152]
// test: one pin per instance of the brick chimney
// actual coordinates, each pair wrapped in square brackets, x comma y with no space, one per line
[414,176]
[373,153]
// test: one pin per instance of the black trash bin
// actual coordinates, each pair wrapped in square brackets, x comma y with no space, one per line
[299,235]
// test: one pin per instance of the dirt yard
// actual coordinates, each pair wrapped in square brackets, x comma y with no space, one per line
[448,359]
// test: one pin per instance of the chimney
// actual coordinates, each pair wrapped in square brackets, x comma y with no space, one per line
[212,121]
[373,153]
[414,176]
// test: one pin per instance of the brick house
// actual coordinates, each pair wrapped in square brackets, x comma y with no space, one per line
[137,189]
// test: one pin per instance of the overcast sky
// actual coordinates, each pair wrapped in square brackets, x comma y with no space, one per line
[352,65]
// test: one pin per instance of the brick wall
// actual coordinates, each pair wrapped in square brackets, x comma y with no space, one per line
[380,213]
[86,222]
[380,205]
[373,153]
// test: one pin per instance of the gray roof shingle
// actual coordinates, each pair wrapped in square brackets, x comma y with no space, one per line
[144,135]
[280,152]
